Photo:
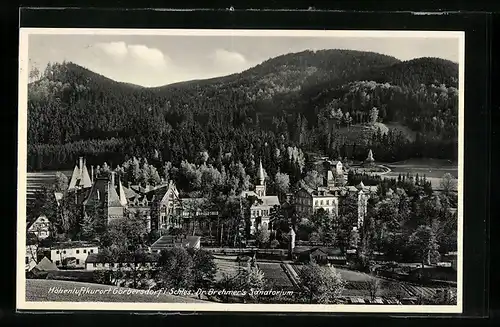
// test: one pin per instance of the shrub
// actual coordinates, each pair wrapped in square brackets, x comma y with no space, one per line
[274,244]
[102,277]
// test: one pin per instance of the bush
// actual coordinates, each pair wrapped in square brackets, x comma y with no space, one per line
[363,263]
[36,274]
[102,277]
[274,244]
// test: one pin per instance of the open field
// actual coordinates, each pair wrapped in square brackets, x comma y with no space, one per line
[37,290]
[226,265]
[433,169]
[362,133]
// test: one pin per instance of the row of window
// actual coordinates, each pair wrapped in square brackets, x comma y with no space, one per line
[119,265]
[321,202]
[258,213]
[77,251]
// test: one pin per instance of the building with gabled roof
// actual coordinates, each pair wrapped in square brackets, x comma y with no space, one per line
[261,209]
[308,200]
[40,227]
[45,265]
[104,195]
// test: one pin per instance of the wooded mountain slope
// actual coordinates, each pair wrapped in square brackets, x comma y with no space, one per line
[301,99]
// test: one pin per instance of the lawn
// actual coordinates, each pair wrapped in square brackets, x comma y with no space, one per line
[37,290]
[226,265]
[433,169]
[275,275]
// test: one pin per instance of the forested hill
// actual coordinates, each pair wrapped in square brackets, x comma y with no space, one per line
[283,102]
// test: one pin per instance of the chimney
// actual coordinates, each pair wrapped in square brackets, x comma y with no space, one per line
[80,165]
[113,179]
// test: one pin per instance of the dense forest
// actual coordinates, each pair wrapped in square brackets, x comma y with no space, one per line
[308,101]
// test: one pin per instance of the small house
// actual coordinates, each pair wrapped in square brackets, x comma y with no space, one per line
[39,227]
[72,254]
[321,255]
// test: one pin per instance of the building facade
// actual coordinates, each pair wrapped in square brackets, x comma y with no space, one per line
[262,208]
[308,200]
[40,227]
[95,261]
[72,254]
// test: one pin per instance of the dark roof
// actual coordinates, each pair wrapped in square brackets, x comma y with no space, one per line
[30,223]
[167,241]
[46,265]
[102,192]
[72,245]
[329,251]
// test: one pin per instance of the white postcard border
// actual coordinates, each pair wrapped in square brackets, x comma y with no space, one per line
[21,302]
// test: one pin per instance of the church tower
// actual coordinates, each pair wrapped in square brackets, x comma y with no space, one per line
[260,187]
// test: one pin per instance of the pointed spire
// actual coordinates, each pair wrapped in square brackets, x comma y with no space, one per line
[370,156]
[261,175]
[121,193]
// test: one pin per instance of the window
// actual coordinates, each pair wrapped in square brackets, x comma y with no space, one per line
[57,252]
[111,265]
[58,262]
[95,264]
[327,202]
[321,202]
[64,252]
[316,202]
[27,260]
[91,251]
[77,261]
[84,250]
[77,251]
[327,210]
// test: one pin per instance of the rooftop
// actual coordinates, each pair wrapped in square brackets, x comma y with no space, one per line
[73,245]
[330,251]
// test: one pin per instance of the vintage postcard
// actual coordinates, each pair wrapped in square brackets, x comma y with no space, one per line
[240,170]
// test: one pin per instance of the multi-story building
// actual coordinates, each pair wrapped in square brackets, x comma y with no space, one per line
[308,200]
[161,205]
[261,209]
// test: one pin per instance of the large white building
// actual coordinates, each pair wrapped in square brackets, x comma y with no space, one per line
[72,254]
[308,200]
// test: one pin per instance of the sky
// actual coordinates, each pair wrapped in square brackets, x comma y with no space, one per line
[154,60]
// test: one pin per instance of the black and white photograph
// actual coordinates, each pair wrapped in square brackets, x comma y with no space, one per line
[240,170]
